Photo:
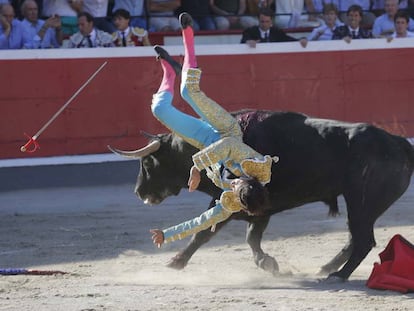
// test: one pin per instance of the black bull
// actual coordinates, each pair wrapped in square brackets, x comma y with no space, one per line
[319,160]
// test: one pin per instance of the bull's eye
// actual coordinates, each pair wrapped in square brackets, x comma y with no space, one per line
[148,166]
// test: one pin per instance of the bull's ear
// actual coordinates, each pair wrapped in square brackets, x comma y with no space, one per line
[148,135]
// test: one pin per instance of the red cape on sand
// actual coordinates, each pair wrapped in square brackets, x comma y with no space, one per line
[396,270]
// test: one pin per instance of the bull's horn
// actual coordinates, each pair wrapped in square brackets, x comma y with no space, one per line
[148,135]
[137,154]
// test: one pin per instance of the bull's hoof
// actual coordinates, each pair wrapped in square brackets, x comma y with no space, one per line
[177,263]
[326,270]
[269,264]
[334,278]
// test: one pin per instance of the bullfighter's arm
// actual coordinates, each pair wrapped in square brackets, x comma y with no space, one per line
[227,205]
[205,220]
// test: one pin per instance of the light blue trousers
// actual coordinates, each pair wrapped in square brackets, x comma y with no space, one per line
[213,124]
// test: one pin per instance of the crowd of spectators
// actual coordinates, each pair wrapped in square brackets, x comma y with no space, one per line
[34,24]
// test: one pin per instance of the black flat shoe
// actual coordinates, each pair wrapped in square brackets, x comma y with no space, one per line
[163,54]
[185,20]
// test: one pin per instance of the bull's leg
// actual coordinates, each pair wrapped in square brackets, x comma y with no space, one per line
[370,190]
[180,260]
[338,260]
[376,178]
[363,241]
[363,208]
[364,205]
[254,236]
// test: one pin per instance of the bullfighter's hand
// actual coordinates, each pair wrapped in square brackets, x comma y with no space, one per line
[194,179]
[157,237]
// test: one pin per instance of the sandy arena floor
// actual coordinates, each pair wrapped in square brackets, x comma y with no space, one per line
[99,235]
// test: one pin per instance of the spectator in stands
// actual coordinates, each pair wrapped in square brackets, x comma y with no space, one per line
[403,4]
[384,24]
[353,29]
[38,33]
[126,35]
[289,14]
[88,36]
[254,6]
[162,14]
[136,9]
[378,5]
[230,14]
[368,17]
[99,10]
[410,8]
[401,19]
[200,11]
[315,8]
[67,10]
[17,4]
[265,32]
[326,30]
[11,32]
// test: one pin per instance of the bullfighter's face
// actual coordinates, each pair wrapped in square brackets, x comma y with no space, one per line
[236,186]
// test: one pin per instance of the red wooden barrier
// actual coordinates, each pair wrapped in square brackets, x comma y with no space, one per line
[369,81]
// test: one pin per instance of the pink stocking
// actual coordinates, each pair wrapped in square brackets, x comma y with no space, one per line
[168,79]
[190,60]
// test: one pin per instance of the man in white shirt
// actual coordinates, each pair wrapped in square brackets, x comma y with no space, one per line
[401,26]
[325,31]
[384,24]
[11,31]
[38,33]
[88,36]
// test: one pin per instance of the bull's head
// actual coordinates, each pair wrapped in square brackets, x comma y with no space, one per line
[165,163]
